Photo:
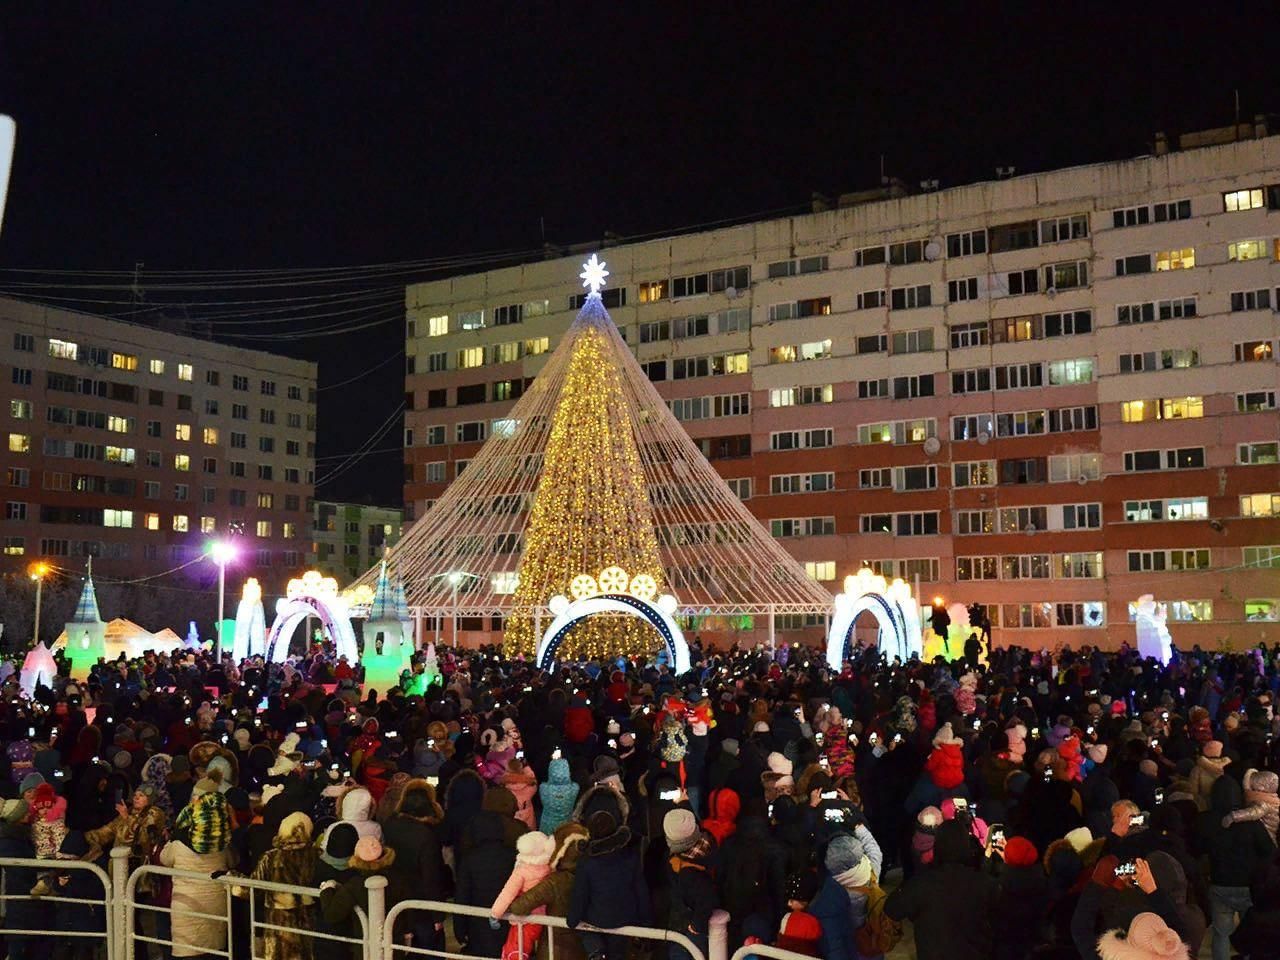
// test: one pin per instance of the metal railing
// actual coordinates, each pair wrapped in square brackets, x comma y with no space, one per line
[763,950]
[389,947]
[48,870]
[230,888]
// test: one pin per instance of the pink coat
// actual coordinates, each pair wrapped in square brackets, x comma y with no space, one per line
[523,787]
[533,864]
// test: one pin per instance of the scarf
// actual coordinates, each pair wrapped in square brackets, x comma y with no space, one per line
[859,875]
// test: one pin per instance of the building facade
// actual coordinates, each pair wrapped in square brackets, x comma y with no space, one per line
[138,446]
[1049,394]
[349,538]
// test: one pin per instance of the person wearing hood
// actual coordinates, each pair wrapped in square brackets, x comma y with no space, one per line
[291,860]
[201,845]
[1147,938]
[499,805]
[943,774]
[482,871]
[1260,794]
[533,864]
[777,779]
[1024,898]
[722,821]
[950,904]
[608,888]
[462,799]
[1112,899]
[1236,849]
[840,906]
[356,807]
[77,885]
[559,795]
[419,865]
[693,891]
[523,785]
[552,894]
[139,826]
[1209,767]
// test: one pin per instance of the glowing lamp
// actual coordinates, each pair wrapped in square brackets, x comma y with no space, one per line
[937,601]
[221,552]
[558,604]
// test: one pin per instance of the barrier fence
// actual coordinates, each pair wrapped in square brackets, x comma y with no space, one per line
[228,911]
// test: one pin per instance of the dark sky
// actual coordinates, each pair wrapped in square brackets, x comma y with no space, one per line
[246,136]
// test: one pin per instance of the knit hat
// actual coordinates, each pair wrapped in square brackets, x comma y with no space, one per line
[944,735]
[1212,750]
[341,842]
[1148,768]
[799,928]
[779,764]
[1020,852]
[1097,752]
[270,791]
[760,727]
[929,817]
[1149,938]
[535,848]
[729,746]
[843,853]
[681,829]
[30,782]
[1079,838]
[13,811]
[368,849]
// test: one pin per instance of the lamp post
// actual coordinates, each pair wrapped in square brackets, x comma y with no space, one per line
[455,577]
[222,553]
[38,572]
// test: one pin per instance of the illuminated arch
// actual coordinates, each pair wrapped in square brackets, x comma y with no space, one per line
[312,596]
[657,615]
[894,608]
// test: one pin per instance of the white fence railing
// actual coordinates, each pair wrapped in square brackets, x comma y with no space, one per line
[770,953]
[50,874]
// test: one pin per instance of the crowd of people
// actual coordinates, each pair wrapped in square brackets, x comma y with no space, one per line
[1078,805]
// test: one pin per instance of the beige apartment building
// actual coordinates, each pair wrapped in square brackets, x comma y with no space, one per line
[1049,394]
[137,447]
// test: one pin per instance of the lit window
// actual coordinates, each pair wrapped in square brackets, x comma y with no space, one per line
[288,529]
[117,518]
[1182,408]
[1236,200]
[182,431]
[181,522]
[470,357]
[156,367]
[653,291]
[181,461]
[210,435]
[20,409]
[1183,259]
[185,372]
[263,528]
[438,326]
[124,361]
[536,346]
[19,443]
[1193,611]
[64,349]
[1248,249]
[267,500]
[151,521]
[505,582]
[1267,610]
[1260,505]
[820,569]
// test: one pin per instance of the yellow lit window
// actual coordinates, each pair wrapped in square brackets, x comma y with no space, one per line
[156,367]
[64,349]
[184,371]
[737,363]
[182,431]
[1182,408]
[1248,249]
[208,525]
[653,291]
[119,454]
[820,569]
[785,354]
[470,357]
[119,424]
[266,501]
[288,529]
[117,518]
[438,326]
[1183,259]
[1260,505]
[151,521]
[537,345]
[1135,411]
[124,361]
[1237,200]
[263,528]
[181,522]
[181,461]
[210,435]
[813,351]
[19,443]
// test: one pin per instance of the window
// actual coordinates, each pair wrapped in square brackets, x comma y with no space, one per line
[870,389]
[1022,470]
[872,343]
[1021,282]
[1019,376]
[1069,419]
[1177,308]
[24,343]
[876,523]
[915,478]
[21,377]
[918,524]
[814,350]
[1252,351]
[17,476]
[913,341]
[741,487]
[1260,505]
[820,569]
[15,510]
[1022,423]
[977,568]
[470,357]
[468,320]
[266,416]
[803,527]
[1233,201]
[898,431]
[1063,372]
[437,362]
[265,472]
[1134,264]
[473,431]
[182,431]
[875,478]
[959,291]
[1088,614]
[1023,519]
[701,408]
[1255,401]
[1191,610]
[870,300]
[802,483]
[910,298]
[973,473]
[508,314]
[801,439]
[909,251]
[1080,566]
[266,445]
[1061,229]
[975,380]
[1241,250]
[1081,516]
[64,349]
[19,443]
[868,256]
[181,461]
[969,335]
[1255,453]
[1243,300]
[800,396]
[1268,556]
[1067,275]
[721,365]
[185,371]
[652,291]
[910,388]
[15,546]
[966,244]
[1182,259]
[263,529]
[181,522]
[1025,566]
[1068,324]
[21,409]
[210,465]
[124,361]
[974,522]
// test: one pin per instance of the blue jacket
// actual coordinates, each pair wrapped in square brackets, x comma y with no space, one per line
[831,908]
[558,795]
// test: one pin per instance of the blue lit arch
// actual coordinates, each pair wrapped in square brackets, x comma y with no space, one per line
[579,610]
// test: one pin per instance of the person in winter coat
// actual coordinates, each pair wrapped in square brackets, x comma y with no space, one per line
[333,869]
[356,807]
[841,904]
[752,873]
[777,780]
[928,821]
[340,898]
[482,871]
[203,848]
[1209,767]
[558,795]
[554,892]
[462,801]
[608,888]
[1023,902]
[693,891]
[1110,902]
[48,822]
[1259,930]
[15,842]
[522,784]
[291,860]
[412,832]
[140,827]
[73,885]
[943,775]
[950,904]
[1148,938]
[1235,851]
[533,863]
[1262,801]
[724,806]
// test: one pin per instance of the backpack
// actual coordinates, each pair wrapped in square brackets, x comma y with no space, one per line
[880,933]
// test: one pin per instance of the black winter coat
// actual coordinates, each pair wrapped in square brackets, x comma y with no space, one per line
[1237,852]
[608,886]
[482,872]
[15,841]
[693,898]
[753,874]
[1019,921]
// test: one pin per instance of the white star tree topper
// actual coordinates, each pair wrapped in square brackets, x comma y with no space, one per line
[593,274]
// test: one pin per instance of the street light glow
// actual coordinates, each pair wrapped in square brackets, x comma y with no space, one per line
[38,571]
[221,552]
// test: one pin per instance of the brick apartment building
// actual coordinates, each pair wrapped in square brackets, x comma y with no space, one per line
[1049,394]
[138,446]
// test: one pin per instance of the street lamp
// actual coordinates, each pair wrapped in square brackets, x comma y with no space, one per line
[221,552]
[38,572]
[455,578]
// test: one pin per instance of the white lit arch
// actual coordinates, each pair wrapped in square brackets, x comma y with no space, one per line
[895,609]
[312,596]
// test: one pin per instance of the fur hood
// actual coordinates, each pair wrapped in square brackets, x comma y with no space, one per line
[603,790]
[418,785]
[571,839]
[1114,947]
[355,805]
[382,864]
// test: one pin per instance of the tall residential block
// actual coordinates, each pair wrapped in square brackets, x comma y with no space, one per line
[348,538]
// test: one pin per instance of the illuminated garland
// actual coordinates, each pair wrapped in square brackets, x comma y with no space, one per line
[591,510]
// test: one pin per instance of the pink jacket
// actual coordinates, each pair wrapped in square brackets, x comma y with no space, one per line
[523,787]
[533,864]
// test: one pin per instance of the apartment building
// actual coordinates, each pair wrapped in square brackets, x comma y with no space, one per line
[136,446]
[348,538]
[1049,394]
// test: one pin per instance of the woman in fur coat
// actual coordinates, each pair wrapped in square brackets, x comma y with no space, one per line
[291,859]
[1148,938]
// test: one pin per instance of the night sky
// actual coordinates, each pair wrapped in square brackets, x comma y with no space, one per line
[238,137]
